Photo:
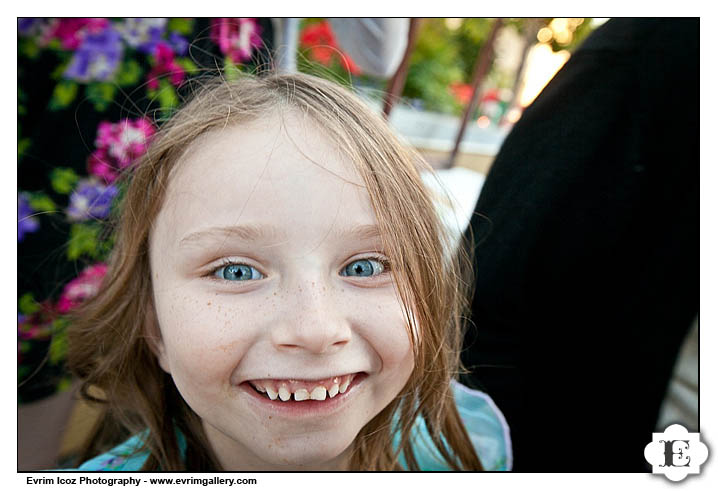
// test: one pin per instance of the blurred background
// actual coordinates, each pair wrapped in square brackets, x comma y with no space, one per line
[92,92]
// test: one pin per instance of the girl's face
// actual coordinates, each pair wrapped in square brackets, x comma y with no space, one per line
[269,284]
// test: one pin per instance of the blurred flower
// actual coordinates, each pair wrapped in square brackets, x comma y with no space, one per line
[236,37]
[26,223]
[164,64]
[461,92]
[37,325]
[91,199]
[81,288]
[35,27]
[118,146]
[98,56]
[73,31]
[143,34]
[179,43]
[323,47]
[125,140]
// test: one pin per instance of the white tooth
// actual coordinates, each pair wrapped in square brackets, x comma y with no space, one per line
[301,395]
[319,393]
[260,389]
[343,387]
[334,390]
[272,393]
[284,394]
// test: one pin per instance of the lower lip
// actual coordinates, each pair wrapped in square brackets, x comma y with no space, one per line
[306,408]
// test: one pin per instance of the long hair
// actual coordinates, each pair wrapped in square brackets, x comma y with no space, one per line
[110,337]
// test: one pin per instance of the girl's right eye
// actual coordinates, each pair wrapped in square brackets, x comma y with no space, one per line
[238,272]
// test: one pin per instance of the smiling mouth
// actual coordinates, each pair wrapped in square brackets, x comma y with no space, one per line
[303,390]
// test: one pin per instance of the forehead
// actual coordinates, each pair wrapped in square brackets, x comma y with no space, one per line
[281,171]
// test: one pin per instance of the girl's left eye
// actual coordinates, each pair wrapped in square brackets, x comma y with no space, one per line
[363,267]
[238,272]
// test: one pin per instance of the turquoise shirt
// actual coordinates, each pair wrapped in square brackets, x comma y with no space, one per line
[483,421]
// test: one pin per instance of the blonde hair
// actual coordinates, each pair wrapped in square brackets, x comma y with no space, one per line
[109,345]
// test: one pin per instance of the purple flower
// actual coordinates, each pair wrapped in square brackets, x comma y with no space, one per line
[98,56]
[143,34]
[179,43]
[26,223]
[91,199]
[30,26]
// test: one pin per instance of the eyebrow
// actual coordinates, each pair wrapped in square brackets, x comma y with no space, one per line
[254,233]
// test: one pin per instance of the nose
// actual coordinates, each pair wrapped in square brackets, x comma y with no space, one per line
[312,320]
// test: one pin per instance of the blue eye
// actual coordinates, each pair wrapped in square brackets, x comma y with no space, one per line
[238,272]
[363,267]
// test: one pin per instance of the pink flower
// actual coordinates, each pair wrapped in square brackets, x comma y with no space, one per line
[236,37]
[85,286]
[165,64]
[118,146]
[72,31]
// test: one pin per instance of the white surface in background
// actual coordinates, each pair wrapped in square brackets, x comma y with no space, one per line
[457,191]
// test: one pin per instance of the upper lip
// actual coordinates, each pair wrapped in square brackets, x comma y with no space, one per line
[301,379]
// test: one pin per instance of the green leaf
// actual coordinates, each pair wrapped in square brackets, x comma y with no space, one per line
[166,95]
[63,180]
[27,305]
[182,26]
[64,384]
[129,73]
[63,95]
[83,240]
[231,72]
[101,94]
[42,202]
[187,64]
[58,344]
[28,48]
[22,147]
[54,44]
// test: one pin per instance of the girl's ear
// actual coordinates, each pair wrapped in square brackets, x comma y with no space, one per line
[153,335]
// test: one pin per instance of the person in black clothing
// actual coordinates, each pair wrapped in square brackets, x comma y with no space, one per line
[586,250]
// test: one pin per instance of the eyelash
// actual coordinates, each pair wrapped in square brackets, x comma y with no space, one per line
[386,267]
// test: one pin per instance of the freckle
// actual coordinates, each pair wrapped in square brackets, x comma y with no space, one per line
[209,303]
[270,417]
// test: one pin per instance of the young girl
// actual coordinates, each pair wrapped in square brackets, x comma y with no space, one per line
[280,297]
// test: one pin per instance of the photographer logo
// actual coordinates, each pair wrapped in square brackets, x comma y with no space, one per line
[676,453]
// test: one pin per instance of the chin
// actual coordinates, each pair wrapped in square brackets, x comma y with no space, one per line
[303,456]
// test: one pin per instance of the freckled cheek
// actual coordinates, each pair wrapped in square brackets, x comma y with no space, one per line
[387,331]
[204,342]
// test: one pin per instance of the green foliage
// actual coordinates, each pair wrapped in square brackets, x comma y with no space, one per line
[27,305]
[101,94]
[231,71]
[27,47]
[469,38]
[129,73]
[181,25]
[63,180]
[22,146]
[64,384]
[84,240]
[63,95]
[433,67]
[188,66]
[42,202]
[58,344]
